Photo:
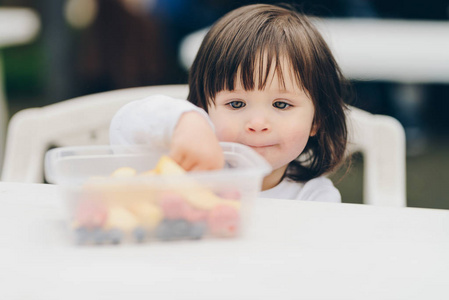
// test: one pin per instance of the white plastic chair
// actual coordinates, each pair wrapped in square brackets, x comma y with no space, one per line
[85,120]
[381,140]
[79,121]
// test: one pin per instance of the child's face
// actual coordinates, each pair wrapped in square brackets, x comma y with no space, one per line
[275,122]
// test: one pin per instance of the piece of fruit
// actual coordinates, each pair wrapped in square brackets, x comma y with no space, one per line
[148,173]
[148,215]
[173,206]
[173,230]
[197,230]
[115,235]
[196,195]
[121,218]
[124,172]
[90,213]
[139,234]
[202,198]
[224,221]
[167,166]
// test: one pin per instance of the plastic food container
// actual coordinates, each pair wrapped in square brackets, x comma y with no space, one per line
[121,194]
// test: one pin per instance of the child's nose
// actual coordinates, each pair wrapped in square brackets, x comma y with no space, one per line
[258,125]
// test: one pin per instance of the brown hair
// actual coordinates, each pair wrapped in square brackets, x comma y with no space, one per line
[259,34]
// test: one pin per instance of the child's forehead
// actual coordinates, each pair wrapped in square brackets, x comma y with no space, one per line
[278,72]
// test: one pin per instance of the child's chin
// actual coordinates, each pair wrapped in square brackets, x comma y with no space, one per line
[263,151]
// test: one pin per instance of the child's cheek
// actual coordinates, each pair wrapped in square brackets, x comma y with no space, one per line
[226,128]
[299,140]
[225,134]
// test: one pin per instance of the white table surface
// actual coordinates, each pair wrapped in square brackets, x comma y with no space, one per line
[294,250]
[375,49]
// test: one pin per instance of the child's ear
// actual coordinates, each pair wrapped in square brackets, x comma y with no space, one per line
[314,129]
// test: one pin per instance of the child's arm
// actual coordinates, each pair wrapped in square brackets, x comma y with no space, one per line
[172,125]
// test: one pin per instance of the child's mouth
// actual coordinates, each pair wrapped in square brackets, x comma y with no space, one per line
[260,146]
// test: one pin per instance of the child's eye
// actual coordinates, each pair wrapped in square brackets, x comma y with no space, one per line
[237,104]
[281,105]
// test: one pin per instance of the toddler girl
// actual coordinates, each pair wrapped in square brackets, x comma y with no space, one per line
[263,77]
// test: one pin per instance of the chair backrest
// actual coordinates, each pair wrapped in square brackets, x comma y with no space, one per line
[78,121]
[85,121]
[381,140]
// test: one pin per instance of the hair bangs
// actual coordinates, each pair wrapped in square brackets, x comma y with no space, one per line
[253,61]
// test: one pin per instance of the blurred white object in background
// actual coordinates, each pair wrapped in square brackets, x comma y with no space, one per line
[390,50]
[17,26]
[374,49]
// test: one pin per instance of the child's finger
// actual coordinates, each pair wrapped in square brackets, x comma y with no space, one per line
[197,167]
[176,156]
[182,159]
[188,163]
[207,165]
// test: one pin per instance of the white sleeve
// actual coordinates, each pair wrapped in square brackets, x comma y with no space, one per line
[149,121]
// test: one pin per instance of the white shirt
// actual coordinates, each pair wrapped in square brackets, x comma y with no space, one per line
[318,189]
[152,120]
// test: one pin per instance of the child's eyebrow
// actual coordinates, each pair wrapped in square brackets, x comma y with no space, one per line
[283,90]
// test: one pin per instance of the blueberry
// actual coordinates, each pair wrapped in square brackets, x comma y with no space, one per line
[82,235]
[163,230]
[180,228]
[115,236]
[99,236]
[139,234]
[173,229]
[197,230]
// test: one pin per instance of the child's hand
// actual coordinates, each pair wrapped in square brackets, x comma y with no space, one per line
[194,145]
